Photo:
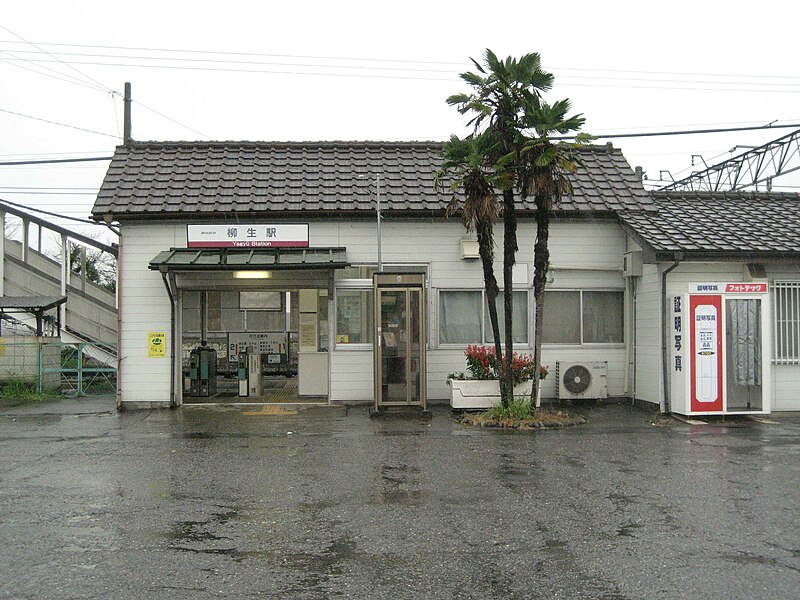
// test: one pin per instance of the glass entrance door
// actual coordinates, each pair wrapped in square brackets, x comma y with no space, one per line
[399,346]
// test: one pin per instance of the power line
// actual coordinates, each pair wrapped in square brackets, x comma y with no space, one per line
[687,132]
[4,191]
[84,75]
[64,78]
[21,187]
[460,64]
[410,69]
[153,110]
[228,53]
[443,79]
[11,112]
[21,154]
[47,212]
[55,161]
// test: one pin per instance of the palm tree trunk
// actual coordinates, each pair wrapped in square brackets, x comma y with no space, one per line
[484,231]
[541,260]
[509,258]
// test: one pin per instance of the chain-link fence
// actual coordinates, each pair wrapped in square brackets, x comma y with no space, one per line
[80,369]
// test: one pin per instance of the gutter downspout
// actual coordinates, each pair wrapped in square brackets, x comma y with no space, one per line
[172,335]
[119,324]
[665,332]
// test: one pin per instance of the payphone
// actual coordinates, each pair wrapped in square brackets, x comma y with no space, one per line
[399,340]
[203,371]
[249,373]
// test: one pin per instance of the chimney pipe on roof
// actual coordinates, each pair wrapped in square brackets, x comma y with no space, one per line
[126,131]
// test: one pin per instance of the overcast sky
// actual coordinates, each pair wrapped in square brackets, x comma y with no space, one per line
[344,70]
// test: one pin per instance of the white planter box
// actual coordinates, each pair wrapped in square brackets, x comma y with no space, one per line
[475,393]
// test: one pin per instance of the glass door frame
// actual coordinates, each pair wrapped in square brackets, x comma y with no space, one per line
[407,283]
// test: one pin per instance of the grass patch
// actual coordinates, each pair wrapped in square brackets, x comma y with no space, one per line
[519,415]
[17,390]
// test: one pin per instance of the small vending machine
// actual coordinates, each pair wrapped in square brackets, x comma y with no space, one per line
[249,373]
[719,349]
[202,371]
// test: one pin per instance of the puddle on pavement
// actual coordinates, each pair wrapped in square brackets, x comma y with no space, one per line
[35,419]
[400,485]
[199,537]
[627,529]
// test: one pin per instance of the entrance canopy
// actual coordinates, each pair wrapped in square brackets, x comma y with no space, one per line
[248,259]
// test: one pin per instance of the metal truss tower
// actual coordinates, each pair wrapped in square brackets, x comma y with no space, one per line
[759,165]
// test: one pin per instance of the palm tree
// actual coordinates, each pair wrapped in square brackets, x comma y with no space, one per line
[464,160]
[544,169]
[502,91]
[515,127]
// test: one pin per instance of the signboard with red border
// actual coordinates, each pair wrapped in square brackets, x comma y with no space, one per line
[706,358]
[243,235]
[759,287]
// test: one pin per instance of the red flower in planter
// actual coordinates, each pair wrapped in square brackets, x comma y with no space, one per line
[482,363]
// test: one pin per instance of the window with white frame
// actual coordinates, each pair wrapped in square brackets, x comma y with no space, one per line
[464,317]
[786,322]
[355,316]
[583,317]
[355,303]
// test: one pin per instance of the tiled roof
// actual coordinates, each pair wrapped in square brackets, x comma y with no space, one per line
[750,223]
[177,179]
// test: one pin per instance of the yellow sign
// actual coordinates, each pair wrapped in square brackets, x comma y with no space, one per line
[157,344]
[342,339]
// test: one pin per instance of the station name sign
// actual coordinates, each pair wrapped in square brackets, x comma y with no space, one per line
[242,235]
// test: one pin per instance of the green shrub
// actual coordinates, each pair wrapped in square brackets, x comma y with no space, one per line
[518,409]
[19,390]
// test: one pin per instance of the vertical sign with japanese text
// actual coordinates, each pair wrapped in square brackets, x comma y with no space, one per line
[705,337]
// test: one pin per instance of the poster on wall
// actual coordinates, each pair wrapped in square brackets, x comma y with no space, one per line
[705,337]
[156,344]
[260,300]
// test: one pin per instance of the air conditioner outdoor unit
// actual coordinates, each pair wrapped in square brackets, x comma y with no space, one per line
[582,380]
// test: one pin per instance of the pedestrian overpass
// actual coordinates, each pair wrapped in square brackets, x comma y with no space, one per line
[90,311]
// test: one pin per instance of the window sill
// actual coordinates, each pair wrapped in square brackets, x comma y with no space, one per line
[598,346]
[353,347]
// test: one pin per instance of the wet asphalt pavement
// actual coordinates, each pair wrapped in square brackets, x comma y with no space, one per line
[207,503]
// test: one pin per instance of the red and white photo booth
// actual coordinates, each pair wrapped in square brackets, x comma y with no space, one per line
[719,349]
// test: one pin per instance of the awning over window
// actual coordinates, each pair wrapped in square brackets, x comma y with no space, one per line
[244,259]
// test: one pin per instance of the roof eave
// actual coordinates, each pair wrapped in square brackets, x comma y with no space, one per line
[724,255]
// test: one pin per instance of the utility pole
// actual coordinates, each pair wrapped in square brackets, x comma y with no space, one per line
[126,135]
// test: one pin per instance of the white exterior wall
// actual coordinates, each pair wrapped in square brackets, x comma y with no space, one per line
[785,379]
[649,373]
[144,306]
[576,264]
[584,255]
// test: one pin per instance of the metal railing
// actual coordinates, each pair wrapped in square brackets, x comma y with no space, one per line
[79,369]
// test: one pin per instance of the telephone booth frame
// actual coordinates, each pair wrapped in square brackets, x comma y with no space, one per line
[399,347]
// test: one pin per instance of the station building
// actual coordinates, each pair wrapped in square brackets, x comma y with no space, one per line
[309,271]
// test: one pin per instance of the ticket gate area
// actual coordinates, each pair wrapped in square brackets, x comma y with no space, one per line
[399,340]
[249,374]
[202,372]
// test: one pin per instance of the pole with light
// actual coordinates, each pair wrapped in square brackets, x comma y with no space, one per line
[378,211]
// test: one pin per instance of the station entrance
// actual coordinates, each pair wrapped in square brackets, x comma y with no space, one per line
[251,326]
[243,345]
